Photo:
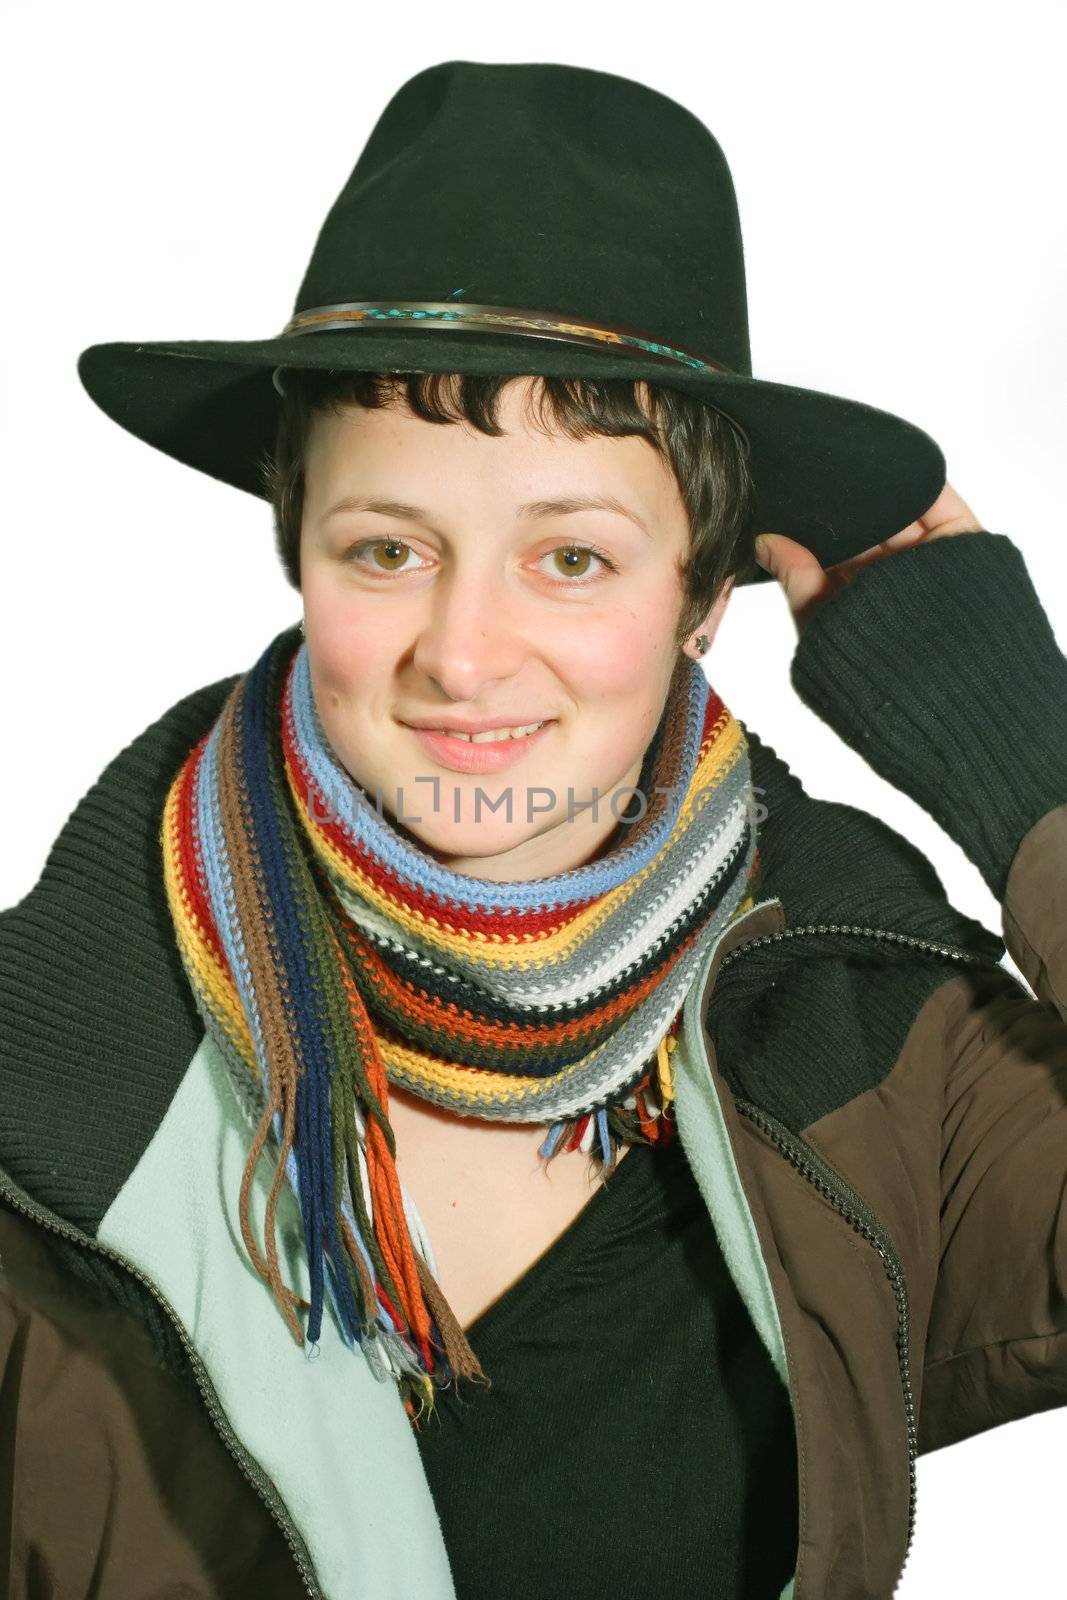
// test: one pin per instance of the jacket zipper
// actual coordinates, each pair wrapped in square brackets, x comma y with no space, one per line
[841,1196]
[259,1480]
[845,1200]
[953,952]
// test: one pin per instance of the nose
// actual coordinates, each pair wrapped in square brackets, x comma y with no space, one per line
[471,635]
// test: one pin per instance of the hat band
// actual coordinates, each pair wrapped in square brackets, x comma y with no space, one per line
[352,314]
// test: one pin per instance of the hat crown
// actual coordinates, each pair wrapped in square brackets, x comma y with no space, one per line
[542,186]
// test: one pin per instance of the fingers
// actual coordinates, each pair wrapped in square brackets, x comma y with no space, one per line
[949,514]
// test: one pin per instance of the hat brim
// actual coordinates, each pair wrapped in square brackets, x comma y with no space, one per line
[836,474]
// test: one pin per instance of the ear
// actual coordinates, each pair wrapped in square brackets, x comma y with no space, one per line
[711,621]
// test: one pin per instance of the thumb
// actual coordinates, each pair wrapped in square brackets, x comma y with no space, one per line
[796,568]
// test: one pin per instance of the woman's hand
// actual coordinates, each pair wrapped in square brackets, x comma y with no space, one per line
[807,584]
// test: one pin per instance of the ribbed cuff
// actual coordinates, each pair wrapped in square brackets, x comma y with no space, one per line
[939,666]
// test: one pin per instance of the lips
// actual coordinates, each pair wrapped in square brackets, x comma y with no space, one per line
[499,725]
[491,735]
[462,755]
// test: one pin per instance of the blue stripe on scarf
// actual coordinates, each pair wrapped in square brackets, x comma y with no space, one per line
[296,963]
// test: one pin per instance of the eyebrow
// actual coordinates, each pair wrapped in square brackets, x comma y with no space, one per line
[531,510]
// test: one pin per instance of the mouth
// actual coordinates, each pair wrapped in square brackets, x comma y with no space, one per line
[488,751]
[488,735]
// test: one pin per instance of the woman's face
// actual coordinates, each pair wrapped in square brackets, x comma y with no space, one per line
[452,577]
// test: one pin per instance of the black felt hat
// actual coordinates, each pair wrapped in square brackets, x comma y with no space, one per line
[536,218]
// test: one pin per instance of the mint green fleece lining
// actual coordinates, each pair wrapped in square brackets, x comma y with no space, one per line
[337,1443]
[702,1130]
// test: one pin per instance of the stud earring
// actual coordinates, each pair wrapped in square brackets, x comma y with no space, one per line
[702,642]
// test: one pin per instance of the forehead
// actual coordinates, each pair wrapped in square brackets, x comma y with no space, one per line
[348,439]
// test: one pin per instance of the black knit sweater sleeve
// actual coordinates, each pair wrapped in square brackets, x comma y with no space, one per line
[938,664]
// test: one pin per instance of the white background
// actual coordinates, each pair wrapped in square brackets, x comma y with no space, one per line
[165,176]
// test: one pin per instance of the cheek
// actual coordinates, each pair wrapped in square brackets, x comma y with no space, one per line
[625,658]
[349,653]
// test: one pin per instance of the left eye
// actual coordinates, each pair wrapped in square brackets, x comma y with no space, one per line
[572,552]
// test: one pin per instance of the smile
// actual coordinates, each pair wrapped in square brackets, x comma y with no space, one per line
[492,735]
[490,751]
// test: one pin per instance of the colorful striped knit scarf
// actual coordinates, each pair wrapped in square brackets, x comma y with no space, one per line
[330,957]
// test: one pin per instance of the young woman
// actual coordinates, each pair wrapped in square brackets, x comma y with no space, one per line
[455,1139]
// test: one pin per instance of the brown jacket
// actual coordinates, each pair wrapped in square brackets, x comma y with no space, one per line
[893,1103]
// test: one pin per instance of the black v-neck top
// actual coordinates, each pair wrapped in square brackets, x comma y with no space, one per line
[636,1439]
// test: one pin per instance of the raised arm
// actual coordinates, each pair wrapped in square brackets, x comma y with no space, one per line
[939,665]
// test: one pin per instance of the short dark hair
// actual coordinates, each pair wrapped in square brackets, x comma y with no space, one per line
[708,452]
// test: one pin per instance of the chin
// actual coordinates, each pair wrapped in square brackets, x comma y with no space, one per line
[470,840]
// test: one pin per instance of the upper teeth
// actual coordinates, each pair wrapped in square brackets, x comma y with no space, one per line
[493,734]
